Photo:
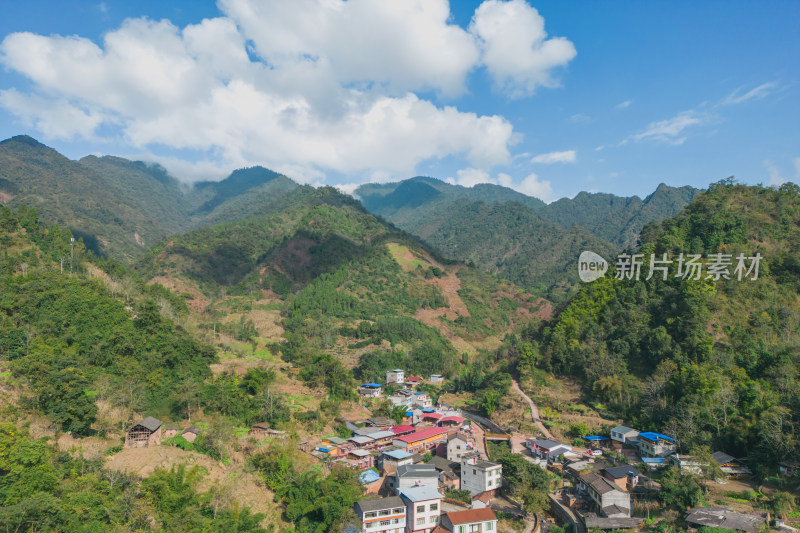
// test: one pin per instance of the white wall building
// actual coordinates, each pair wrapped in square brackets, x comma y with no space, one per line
[423,508]
[480,476]
[382,515]
[396,376]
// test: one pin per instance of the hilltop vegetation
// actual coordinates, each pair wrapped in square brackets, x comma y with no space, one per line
[517,237]
[714,362]
[121,208]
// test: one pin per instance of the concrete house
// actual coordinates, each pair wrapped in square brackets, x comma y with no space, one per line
[413,475]
[370,390]
[144,434]
[457,447]
[381,515]
[625,477]
[652,444]
[624,435]
[390,460]
[396,376]
[421,440]
[436,379]
[423,508]
[470,521]
[609,500]
[479,476]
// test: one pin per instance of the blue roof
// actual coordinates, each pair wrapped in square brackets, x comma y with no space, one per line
[371,385]
[653,460]
[652,435]
[368,476]
[398,454]
[595,437]
[428,410]
[409,413]
[418,494]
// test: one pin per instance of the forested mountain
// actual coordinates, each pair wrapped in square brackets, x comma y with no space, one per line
[617,219]
[711,361]
[120,207]
[349,282]
[515,236]
[511,241]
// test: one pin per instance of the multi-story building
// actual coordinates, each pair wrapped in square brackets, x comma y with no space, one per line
[479,476]
[396,376]
[382,515]
[652,444]
[610,501]
[457,447]
[423,508]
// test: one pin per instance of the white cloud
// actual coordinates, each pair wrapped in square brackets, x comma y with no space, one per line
[670,130]
[332,88]
[515,47]
[569,156]
[579,118]
[532,186]
[775,177]
[623,105]
[763,90]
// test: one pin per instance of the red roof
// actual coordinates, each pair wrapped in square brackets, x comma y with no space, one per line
[471,515]
[421,434]
[435,416]
[456,419]
[403,429]
[413,379]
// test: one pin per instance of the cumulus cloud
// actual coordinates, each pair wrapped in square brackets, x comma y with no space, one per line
[568,156]
[739,96]
[515,47]
[530,185]
[533,186]
[670,130]
[310,86]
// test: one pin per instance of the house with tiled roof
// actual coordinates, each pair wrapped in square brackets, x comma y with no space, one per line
[381,515]
[470,521]
[609,500]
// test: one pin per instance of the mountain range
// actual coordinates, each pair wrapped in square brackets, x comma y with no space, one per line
[121,208]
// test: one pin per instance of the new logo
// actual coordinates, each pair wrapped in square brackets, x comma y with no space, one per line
[591,266]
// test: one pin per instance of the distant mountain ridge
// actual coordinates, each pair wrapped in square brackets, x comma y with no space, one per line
[515,236]
[121,207]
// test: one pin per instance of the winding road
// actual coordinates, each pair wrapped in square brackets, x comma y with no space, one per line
[534,410]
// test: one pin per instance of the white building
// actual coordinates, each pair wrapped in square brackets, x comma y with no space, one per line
[382,515]
[456,447]
[624,435]
[436,378]
[480,476]
[549,450]
[423,508]
[396,376]
[408,476]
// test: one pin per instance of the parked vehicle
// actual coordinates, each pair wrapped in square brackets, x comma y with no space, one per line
[594,453]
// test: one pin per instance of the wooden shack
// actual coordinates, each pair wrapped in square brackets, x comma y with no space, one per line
[171,430]
[144,434]
[259,430]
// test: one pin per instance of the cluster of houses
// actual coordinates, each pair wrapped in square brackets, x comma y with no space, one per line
[149,432]
[405,396]
[601,494]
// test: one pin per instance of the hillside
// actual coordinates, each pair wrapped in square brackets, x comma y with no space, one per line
[514,236]
[348,284]
[120,208]
[715,361]
[617,219]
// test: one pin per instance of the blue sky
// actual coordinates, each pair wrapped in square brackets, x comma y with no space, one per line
[550,98]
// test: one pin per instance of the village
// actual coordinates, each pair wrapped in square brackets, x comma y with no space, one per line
[431,471]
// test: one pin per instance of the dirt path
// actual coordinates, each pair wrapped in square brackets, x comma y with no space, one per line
[449,284]
[534,410]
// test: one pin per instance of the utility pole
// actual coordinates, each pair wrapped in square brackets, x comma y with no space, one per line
[71,252]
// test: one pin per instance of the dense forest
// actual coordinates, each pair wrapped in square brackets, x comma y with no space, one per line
[713,361]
